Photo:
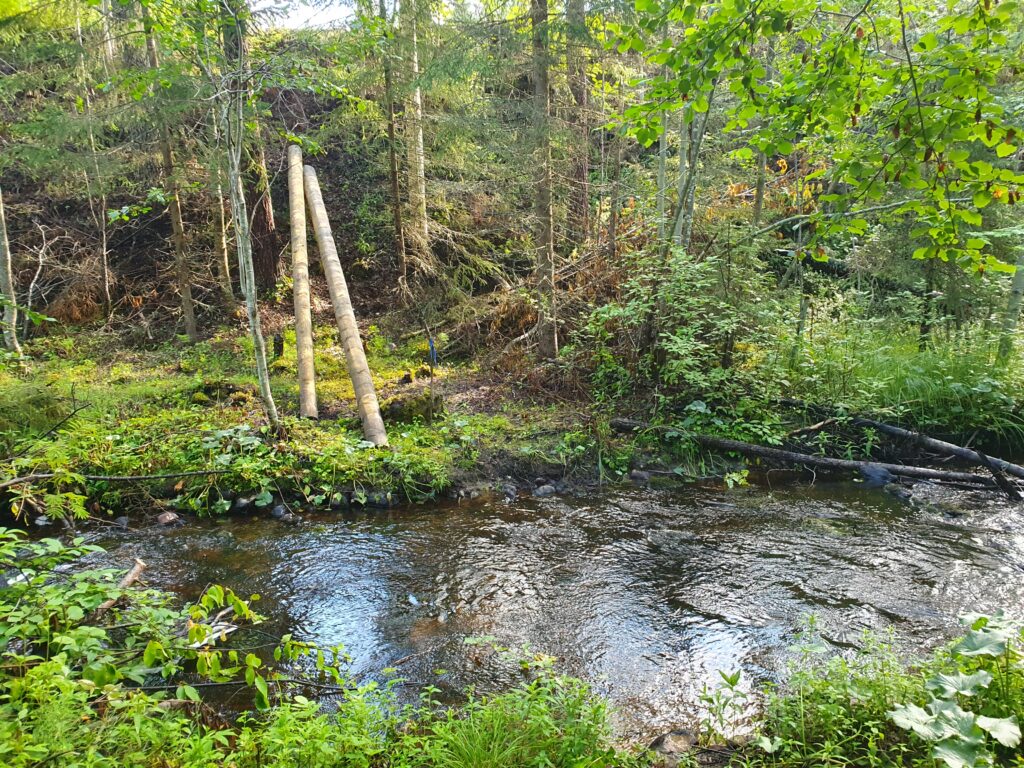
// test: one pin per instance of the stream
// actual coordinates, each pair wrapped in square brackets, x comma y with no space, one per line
[644,593]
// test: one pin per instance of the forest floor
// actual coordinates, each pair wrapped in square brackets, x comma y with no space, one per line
[91,408]
[85,406]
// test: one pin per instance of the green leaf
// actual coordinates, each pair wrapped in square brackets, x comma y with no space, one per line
[982,198]
[1003,729]
[103,674]
[153,651]
[911,717]
[262,697]
[957,753]
[1005,150]
[982,642]
[947,686]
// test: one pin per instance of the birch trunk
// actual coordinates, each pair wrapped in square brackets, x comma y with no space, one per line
[300,286]
[233,128]
[682,230]
[544,277]
[1013,306]
[109,52]
[7,287]
[355,357]
[662,191]
[416,157]
[182,270]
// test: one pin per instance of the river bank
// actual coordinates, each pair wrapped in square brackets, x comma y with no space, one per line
[100,429]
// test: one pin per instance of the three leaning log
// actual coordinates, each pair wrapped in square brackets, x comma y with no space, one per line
[352,344]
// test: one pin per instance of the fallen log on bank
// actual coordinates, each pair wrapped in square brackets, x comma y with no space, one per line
[942,446]
[849,465]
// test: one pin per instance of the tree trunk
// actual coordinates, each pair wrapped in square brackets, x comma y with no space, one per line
[941,446]
[233,128]
[108,36]
[1013,305]
[221,264]
[98,210]
[266,243]
[396,188]
[579,86]
[300,286]
[762,170]
[662,192]
[419,227]
[355,357]
[182,270]
[10,323]
[544,237]
[682,229]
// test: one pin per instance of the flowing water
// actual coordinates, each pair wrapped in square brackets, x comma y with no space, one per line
[645,593]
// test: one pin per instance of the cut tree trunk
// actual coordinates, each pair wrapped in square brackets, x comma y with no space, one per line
[300,286]
[355,357]
[126,581]
[10,308]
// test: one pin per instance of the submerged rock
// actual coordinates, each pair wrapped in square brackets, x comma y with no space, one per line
[672,746]
[282,514]
[876,476]
[242,504]
[639,476]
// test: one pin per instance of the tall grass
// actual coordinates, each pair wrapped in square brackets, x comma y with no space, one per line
[870,367]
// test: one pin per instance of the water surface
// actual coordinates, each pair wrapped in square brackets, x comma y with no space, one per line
[645,593]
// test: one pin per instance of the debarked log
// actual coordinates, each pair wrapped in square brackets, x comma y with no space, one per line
[848,465]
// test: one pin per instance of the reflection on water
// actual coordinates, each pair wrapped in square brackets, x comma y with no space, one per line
[645,593]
